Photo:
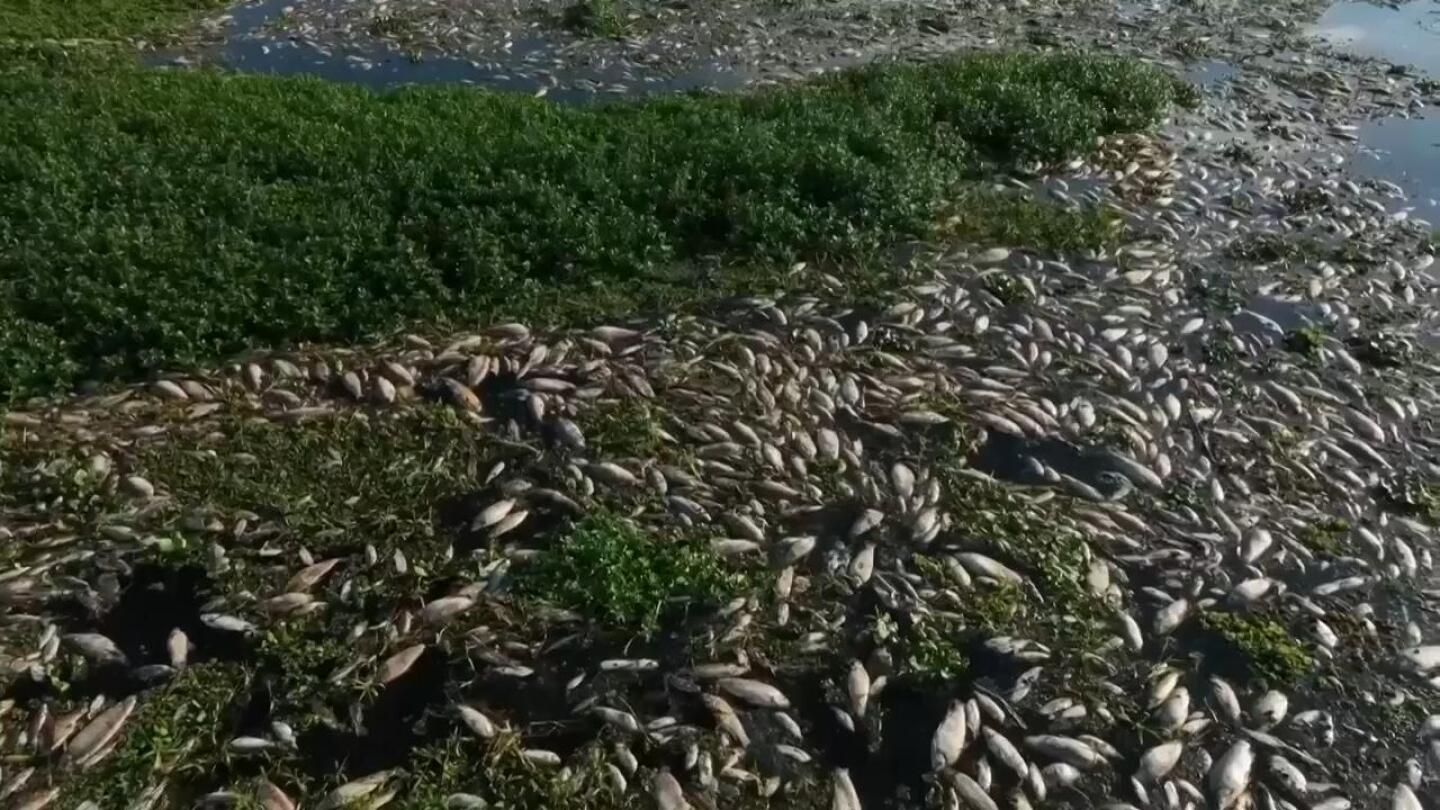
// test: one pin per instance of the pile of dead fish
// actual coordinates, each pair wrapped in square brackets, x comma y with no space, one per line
[1189,406]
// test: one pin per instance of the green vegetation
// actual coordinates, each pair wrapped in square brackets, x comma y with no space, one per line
[1267,649]
[176,736]
[155,218]
[30,20]
[1306,340]
[596,18]
[1325,536]
[932,651]
[1032,537]
[609,570]
[623,428]
[504,779]
[337,482]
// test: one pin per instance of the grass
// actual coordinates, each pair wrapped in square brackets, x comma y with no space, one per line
[623,428]
[31,20]
[155,218]
[176,737]
[501,776]
[334,483]
[610,571]
[1265,647]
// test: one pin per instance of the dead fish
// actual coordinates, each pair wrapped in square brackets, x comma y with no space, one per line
[843,794]
[307,577]
[1230,775]
[970,793]
[1065,749]
[476,721]
[1270,708]
[1005,751]
[95,647]
[1157,762]
[1403,798]
[444,609]
[272,797]
[99,731]
[177,647]
[230,624]
[137,487]
[756,693]
[1227,704]
[981,566]
[949,738]
[399,663]
[1171,616]
[352,792]
[858,686]
[726,719]
[667,792]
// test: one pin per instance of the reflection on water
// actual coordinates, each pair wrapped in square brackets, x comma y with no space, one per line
[1405,151]
[1408,34]
[532,65]
[1210,73]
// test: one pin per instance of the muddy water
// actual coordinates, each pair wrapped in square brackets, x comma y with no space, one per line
[1405,151]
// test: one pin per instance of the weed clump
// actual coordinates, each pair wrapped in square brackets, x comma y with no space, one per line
[1325,536]
[624,428]
[1306,340]
[611,571]
[1265,647]
[596,18]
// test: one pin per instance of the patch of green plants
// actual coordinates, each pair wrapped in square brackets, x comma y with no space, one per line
[156,218]
[611,571]
[997,610]
[1325,536]
[176,736]
[931,650]
[623,428]
[334,482]
[596,18]
[1267,648]
[503,778]
[31,20]
[1306,340]
[1029,536]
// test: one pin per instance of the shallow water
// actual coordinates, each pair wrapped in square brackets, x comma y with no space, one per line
[1210,73]
[1408,34]
[1404,151]
[532,64]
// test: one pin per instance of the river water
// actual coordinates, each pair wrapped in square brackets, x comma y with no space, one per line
[1405,151]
